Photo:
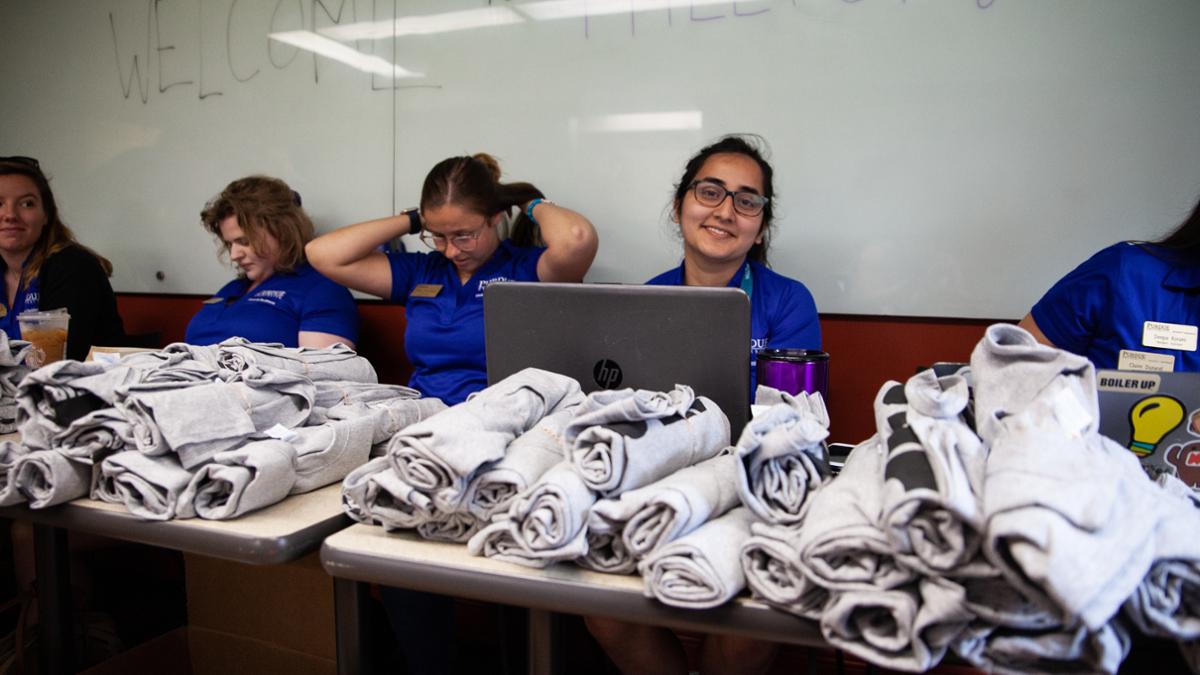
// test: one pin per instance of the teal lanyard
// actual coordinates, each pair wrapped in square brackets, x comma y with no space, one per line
[748,283]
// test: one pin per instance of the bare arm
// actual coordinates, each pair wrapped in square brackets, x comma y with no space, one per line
[319,340]
[351,256]
[1030,325]
[571,243]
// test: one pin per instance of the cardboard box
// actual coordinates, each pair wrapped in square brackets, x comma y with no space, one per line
[289,605]
[244,619]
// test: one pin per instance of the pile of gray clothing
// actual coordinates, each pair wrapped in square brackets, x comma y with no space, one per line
[988,517]
[214,432]
[12,371]
[532,472]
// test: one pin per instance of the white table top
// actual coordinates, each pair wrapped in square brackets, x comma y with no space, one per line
[276,534]
[368,553]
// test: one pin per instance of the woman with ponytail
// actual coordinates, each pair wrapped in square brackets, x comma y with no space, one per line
[463,214]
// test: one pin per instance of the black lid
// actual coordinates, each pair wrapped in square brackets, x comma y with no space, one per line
[792,355]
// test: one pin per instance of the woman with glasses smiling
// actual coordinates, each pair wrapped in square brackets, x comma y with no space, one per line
[723,207]
[461,217]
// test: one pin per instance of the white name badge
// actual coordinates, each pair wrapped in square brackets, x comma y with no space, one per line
[1145,361]
[1169,336]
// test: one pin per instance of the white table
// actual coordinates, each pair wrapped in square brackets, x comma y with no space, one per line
[274,535]
[363,554]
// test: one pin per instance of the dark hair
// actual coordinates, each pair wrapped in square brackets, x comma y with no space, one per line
[55,235]
[1183,243]
[263,205]
[754,147]
[474,184]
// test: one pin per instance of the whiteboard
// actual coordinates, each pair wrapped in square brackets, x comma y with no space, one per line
[945,158]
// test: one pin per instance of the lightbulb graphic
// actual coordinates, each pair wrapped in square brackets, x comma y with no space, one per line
[1152,418]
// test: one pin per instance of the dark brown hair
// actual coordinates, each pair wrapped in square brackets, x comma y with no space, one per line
[263,205]
[1183,243]
[55,234]
[474,184]
[755,148]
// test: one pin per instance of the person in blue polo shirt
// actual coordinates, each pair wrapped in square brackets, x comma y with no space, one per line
[725,215]
[462,213]
[278,297]
[723,206]
[1134,305]
[462,216]
[46,268]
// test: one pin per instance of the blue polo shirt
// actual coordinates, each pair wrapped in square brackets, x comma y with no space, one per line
[27,299]
[783,314]
[444,339]
[277,310]
[1100,307]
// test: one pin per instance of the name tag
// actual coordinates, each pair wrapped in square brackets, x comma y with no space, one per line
[426,291]
[1145,361]
[1169,336]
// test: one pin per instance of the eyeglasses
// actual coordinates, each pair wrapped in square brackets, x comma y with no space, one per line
[22,159]
[713,194]
[463,242]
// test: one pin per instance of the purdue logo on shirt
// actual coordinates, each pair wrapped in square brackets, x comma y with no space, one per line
[484,283]
[269,297]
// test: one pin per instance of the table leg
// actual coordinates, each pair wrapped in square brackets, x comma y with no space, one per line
[542,653]
[351,605]
[53,565]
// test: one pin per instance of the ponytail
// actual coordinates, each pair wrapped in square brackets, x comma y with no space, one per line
[474,183]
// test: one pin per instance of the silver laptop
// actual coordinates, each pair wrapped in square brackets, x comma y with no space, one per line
[611,336]
[1156,416]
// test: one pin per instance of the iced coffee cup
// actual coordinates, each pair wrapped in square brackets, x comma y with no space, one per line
[47,332]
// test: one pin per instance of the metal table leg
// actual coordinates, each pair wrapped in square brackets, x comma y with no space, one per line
[351,603]
[53,564]
[542,653]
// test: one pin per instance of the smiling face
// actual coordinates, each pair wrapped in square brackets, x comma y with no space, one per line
[719,235]
[22,215]
[452,220]
[254,265]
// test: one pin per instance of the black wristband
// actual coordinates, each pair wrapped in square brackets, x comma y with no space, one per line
[414,220]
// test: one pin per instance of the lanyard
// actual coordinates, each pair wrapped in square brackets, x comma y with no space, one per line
[747,284]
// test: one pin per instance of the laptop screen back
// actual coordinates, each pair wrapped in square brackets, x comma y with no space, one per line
[1155,415]
[616,336]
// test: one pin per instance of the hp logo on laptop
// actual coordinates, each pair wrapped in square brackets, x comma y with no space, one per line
[607,374]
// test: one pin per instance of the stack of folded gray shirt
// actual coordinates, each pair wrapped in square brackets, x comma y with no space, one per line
[445,474]
[213,432]
[625,529]
[1011,533]
[781,455]
[12,371]
[985,517]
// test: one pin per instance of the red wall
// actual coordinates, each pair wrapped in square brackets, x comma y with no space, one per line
[864,351]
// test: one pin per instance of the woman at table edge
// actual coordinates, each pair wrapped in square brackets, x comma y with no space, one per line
[1116,307]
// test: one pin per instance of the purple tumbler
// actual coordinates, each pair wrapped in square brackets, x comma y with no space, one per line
[794,370]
